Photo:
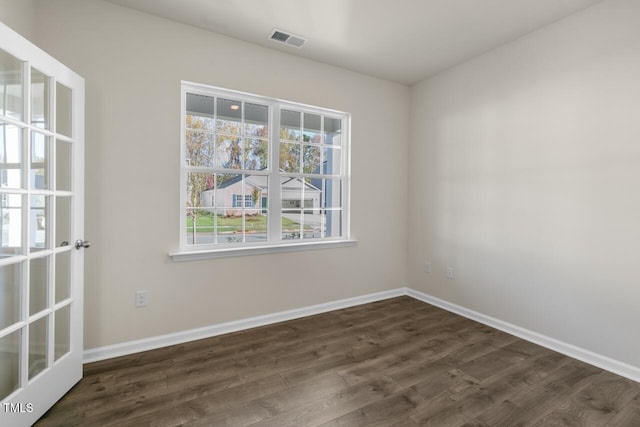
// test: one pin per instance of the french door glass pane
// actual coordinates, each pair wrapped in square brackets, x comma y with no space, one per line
[9,363]
[63,110]
[37,346]
[63,221]
[39,99]
[62,333]
[39,161]
[11,82]
[38,279]
[11,212]
[38,220]
[63,275]
[63,166]
[10,156]
[10,284]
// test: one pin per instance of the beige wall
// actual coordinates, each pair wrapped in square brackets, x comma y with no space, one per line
[524,176]
[20,16]
[133,64]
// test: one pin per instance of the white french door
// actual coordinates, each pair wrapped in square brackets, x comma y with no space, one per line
[41,209]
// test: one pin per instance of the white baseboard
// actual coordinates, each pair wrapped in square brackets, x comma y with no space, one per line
[122,349]
[604,362]
[130,347]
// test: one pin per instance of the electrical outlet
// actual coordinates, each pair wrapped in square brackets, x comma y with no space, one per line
[449,272]
[142,298]
[427,267]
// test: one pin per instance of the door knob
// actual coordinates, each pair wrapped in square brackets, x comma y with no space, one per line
[82,244]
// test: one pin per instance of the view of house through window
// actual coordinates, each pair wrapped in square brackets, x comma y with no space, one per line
[261,171]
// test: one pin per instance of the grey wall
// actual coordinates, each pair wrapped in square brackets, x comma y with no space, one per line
[524,171]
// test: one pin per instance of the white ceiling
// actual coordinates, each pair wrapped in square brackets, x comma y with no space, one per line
[400,40]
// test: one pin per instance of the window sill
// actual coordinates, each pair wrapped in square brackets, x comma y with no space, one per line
[258,250]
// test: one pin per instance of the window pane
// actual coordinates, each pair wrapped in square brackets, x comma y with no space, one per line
[332,131]
[10,156]
[256,154]
[200,149]
[227,187]
[290,125]
[311,159]
[256,189]
[312,127]
[39,99]
[229,116]
[200,189]
[332,197]
[10,86]
[229,152]
[291,224]
[229,223]
[331,161]
[291,192]
[62,332]
[38,219]
[200,112]
[37,346]
[63,166]
[290,157]
[63,276]
[256,225]
[38,280]
[312,223]
[11,209]
[39,161]
[63,221]
[9,363]
[63,110]
[333,223]
[10,284]
[256,118]
[202,233]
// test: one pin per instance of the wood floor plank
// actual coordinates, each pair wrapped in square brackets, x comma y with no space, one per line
[334,406]
[628,415]
[397,362]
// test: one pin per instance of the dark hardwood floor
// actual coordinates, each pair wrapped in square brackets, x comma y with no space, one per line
[398,362]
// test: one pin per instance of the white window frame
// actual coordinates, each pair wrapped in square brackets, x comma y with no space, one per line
[274,242]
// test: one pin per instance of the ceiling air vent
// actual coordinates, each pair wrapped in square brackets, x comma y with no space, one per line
[287,38]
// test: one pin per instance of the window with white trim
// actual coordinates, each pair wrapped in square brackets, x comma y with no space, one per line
[258,171]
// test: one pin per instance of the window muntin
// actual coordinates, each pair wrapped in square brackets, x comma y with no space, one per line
[237,148]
